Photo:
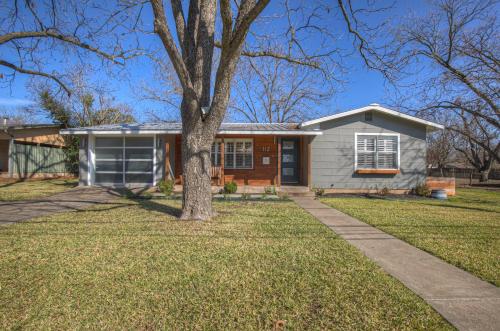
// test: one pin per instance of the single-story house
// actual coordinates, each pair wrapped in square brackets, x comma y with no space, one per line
[362,149]
[31,150]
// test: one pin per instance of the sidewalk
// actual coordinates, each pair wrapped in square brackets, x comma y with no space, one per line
[464,300]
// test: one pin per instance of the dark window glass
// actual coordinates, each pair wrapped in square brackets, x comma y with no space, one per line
[108,153]
[101,178]
[109,166]
[146,153]
[108,142]
[139,142]
[144,166]
[139,178]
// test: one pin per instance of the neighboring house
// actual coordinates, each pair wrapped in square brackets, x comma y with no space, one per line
[363,149]
[31,150]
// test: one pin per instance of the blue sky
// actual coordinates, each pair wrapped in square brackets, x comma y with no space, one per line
[362,86]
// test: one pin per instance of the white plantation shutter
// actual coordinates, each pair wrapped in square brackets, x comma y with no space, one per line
[377,151]
[366,152]
[387,151]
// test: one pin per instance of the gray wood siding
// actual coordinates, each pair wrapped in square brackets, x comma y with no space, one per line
[333,153]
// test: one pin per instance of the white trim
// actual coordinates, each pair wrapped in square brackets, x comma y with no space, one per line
[152,132]
[376,108]
[356,134]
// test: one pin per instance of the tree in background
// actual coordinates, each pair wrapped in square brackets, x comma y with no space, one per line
[272,91]
[439,150]
[82,108]
[456,48]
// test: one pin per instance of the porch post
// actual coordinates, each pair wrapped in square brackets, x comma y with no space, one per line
[222,152]
[167,160]
[309,163]
[278,180]
[10,162]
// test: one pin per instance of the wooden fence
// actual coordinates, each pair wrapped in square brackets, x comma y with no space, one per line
[30,160]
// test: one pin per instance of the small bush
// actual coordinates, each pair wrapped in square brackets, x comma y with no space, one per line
[166,186]
[319,192]
[230,188]
[270,190]
[422,190]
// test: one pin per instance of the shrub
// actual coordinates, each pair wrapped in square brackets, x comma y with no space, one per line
[422,190]
[318,192]
[230,188]
[166,186]
[271,190]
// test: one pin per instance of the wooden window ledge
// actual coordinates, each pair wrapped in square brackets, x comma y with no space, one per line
[378,171]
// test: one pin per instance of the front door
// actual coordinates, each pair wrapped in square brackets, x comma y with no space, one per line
[289,161]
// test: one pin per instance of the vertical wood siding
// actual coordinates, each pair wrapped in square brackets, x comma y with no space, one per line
[28,160]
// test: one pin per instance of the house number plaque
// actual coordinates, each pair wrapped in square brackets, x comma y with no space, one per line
[266,149]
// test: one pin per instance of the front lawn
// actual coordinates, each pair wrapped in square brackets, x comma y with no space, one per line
[131,265]
[34,188]
[464,230]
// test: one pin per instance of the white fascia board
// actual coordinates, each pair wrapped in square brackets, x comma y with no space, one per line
[150,132]
[376,108]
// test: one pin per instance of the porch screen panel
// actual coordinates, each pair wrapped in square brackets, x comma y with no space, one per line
[108,161]
[139,155]
[124,160]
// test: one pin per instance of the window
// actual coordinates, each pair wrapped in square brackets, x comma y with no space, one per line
[215,154]
[377,151]
[238,154]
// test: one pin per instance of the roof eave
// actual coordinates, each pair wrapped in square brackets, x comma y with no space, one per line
[226,132]
[376,108]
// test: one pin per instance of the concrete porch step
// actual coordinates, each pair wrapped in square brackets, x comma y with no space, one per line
[296,191]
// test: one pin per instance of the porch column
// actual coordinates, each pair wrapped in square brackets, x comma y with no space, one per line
[167,160]
[10,157]
[278,180]
[222,151]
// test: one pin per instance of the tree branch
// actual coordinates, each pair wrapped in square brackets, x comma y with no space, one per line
[35,73]
[65,38]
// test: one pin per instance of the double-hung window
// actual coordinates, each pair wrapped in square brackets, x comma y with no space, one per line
[377,151]
[238,153]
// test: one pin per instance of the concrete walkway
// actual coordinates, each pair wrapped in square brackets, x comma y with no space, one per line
[463,299]
[78,198]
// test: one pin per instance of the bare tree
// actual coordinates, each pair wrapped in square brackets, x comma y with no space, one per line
[439,150]
[455,47]
[269,90]
[34,35]
[471,130]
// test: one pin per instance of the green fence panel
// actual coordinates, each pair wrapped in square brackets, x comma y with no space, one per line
[32,159]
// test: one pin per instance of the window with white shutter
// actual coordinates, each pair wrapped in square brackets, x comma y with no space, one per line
[377,151]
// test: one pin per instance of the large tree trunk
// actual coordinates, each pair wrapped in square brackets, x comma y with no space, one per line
[484,175]
[197,194]
[196,163]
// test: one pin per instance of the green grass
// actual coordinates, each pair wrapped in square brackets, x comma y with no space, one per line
[464,230]
[132,265]
[31,189]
